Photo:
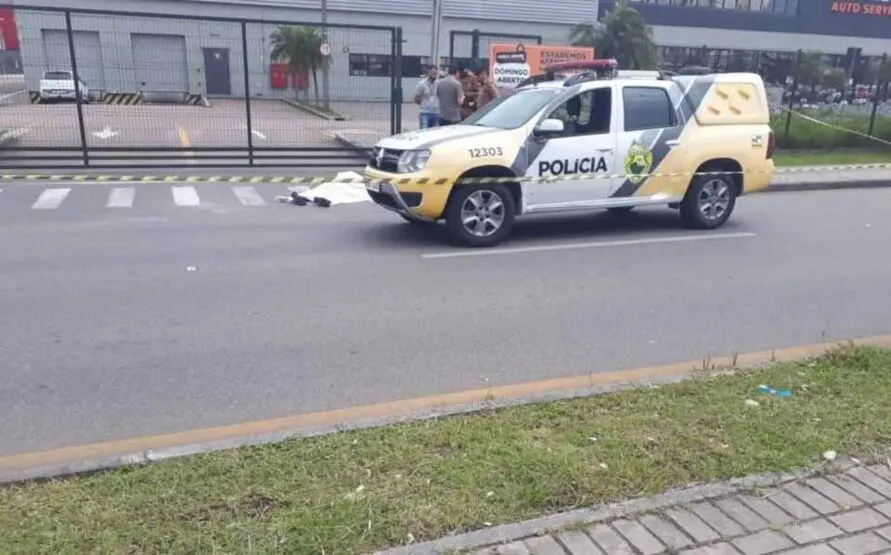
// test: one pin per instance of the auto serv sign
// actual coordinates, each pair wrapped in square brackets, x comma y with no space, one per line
[510,64]
[876,7]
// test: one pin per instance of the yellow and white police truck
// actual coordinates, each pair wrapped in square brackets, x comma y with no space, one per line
[598,139]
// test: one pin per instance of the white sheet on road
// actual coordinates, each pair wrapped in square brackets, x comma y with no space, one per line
[335,192]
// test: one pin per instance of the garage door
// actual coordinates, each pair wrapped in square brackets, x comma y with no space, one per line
[88,50]
[160,62]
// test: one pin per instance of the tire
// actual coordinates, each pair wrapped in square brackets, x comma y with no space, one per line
[709,201]
[494,203]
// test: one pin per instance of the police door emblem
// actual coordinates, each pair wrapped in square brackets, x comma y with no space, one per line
[638,162]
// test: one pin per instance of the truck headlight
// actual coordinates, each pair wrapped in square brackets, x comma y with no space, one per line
[413,161]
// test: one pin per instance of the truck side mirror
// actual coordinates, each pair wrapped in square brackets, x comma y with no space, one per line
[549,128]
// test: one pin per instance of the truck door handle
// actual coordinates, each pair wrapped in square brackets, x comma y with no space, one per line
[674,142]
[603,149]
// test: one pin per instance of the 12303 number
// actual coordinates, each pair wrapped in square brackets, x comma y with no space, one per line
[484,152]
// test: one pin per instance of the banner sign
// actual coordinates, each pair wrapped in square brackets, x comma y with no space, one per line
[863,8]
[509,64]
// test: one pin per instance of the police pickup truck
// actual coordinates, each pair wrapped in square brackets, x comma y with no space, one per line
[598,139]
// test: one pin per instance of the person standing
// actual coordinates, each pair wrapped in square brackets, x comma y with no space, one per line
[451,97]
[427,99]
[488,90]
[471,90]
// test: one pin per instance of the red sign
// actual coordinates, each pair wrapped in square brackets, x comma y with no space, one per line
[9,37]
[863,8]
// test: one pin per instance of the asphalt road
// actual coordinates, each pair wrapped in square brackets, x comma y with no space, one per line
[158,317]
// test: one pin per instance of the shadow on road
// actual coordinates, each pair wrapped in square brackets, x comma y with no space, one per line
[586,226]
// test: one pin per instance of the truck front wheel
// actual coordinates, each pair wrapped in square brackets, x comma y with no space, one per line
[709,201]
[480,215]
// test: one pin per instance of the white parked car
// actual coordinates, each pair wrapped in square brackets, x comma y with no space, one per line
[59,85]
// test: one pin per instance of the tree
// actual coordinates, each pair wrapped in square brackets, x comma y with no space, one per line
[623,34]
[835,79]
[809,71]
[299,47]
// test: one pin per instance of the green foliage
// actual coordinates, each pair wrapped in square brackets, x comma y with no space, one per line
[808,135]
[809,70]
[623,34]
[299,47]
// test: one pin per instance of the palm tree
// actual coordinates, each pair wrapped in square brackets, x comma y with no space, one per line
[299,47]
[623,34]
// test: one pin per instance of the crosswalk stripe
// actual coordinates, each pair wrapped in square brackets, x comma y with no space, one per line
[121,197]
[50,199]
[185,196]
[248,196]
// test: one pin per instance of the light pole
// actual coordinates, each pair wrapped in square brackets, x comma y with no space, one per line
[435,24]
[325,84]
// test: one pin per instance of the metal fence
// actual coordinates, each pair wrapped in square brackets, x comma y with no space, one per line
[180,91]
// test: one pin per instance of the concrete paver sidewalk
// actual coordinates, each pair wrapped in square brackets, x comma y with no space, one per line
[844,511]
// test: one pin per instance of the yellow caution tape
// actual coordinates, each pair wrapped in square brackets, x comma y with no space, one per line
[318,180]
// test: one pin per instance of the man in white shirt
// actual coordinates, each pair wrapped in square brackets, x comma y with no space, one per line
[426,98]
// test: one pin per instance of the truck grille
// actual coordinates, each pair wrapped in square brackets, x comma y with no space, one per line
[385,159]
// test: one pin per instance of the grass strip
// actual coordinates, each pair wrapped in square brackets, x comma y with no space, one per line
[831,157]
[358,491]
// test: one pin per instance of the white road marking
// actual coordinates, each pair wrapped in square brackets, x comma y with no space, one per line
[12,94]
[106,133]
[248,196]
[185,196]
[121,197]
[592,245]
[257,134]
[50,199]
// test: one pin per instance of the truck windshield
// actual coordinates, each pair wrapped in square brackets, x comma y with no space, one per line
[57,75]
[512,110]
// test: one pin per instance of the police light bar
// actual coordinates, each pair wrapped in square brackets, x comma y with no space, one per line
[584,65]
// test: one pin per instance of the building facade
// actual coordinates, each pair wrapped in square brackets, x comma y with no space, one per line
[118,51]
[199,50]
[737,33]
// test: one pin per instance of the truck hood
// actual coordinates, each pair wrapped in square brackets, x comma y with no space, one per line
[428,138]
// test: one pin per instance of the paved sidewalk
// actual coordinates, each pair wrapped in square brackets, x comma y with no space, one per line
[843,512]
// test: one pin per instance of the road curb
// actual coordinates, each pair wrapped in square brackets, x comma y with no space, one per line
[360,151]
[346,141]
[828,185]
[314,111]
[105,456]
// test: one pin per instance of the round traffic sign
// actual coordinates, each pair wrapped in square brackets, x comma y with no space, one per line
[325,49]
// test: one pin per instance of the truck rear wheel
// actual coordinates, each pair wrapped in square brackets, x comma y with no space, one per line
[480,215]
[709,201]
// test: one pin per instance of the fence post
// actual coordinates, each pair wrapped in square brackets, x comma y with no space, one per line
[326,79]
[396,70]
[77,92]
[393,81]
[475,48]
[875,97]
[792,93]
[247,93]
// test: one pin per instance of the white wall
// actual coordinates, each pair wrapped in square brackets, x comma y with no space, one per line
[115,32]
